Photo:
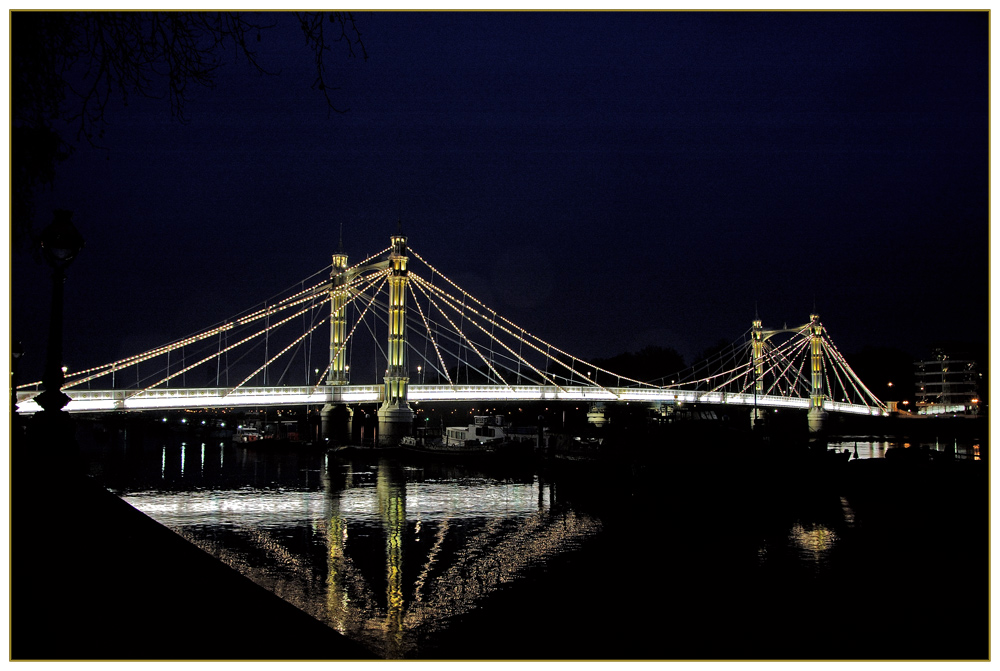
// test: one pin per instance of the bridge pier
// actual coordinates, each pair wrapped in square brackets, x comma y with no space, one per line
[816,418]
[816,412]
[394,423]
[757,331]
[335,418]
[335,423]
[596,416]
[395,417]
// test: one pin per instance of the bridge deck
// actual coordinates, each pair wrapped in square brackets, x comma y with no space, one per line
[175,399]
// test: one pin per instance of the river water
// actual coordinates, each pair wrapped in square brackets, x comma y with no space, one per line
[417,559]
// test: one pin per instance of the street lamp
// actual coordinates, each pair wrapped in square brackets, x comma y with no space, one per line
[15,353]
[60,243]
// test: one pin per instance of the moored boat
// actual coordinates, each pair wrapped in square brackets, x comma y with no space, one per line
[486,436]
[246,434]
[273,434]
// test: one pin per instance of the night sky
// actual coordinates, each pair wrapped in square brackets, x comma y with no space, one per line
[607,181]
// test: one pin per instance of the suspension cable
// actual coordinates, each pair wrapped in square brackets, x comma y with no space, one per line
[385,276]
[430,336]
[450,301]
[465,338]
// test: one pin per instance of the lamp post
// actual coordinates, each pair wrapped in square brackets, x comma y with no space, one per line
[60,243]
[16,351]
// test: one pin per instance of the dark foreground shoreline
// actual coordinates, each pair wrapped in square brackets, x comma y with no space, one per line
[132,589]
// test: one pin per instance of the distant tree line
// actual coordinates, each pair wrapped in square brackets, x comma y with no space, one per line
[649,363]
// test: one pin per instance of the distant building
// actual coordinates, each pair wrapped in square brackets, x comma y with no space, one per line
[947,385]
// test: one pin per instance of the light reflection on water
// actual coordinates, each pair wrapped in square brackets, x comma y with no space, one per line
[227,507]
[412,558]
[867,448]
[381,554]
[814,541]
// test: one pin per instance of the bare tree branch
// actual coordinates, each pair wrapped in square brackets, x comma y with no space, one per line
[344,29]
[68,67]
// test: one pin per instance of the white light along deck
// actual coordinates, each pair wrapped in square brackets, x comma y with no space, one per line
[181,399]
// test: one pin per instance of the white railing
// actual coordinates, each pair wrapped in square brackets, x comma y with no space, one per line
[854,409]
[213,397]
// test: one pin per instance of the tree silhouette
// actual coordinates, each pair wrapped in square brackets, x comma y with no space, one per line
[67,66]
[649,363]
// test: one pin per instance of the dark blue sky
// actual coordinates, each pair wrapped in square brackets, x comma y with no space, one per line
[607,181]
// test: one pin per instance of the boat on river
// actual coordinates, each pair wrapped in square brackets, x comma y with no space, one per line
[487,436]
[246,434]
[271,434]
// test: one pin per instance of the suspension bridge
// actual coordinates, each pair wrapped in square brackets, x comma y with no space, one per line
[434,342]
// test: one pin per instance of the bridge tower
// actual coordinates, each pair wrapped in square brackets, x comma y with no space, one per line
[338,320]
[758,367]
[816,412]
[335,417]
[395,417]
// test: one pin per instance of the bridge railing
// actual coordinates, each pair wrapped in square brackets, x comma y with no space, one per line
[852,408]
[216,397]
[486,392]
[209,397]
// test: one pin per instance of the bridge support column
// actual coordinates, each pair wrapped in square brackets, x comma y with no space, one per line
[335,423]
[816,413]
[816,421]
[756,417]
[338,320]
[395,417]
[758,370]
[596,416]
[335,418]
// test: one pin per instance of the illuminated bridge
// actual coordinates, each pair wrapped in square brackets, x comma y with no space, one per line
[431,341]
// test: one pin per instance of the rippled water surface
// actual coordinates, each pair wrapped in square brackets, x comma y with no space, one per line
[868,448]
[421,559]
[384,551]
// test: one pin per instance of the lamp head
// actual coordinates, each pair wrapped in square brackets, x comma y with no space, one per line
[60,240]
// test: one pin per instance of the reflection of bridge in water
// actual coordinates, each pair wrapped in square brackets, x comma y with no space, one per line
[462,351]
[471,542]
[406,548]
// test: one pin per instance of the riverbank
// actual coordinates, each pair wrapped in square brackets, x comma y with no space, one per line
[93,578]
